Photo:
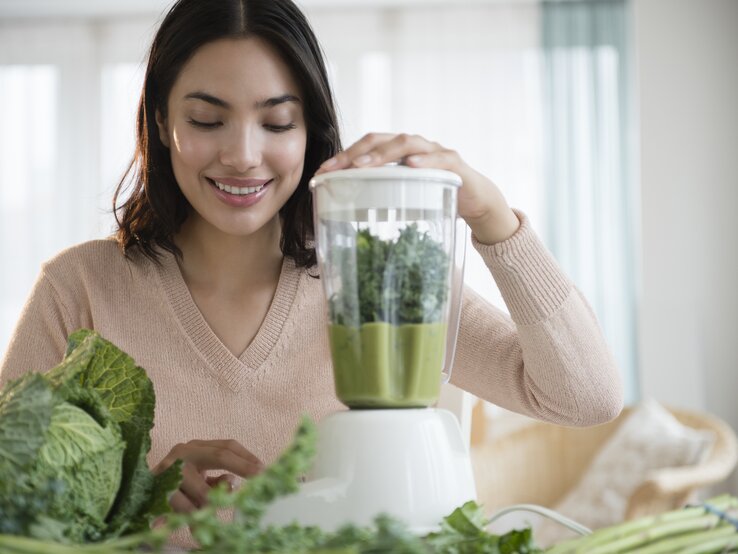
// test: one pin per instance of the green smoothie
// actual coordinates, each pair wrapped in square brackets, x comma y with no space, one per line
[379,365]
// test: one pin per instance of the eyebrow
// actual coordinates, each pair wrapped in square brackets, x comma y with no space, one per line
[275,101]
[209,98]
[268,103]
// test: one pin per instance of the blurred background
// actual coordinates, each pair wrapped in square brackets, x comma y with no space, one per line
[612,123]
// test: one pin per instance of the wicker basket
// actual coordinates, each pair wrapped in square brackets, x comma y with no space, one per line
[539,463]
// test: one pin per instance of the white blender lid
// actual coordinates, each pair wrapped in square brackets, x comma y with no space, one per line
[389,172]
[368,192]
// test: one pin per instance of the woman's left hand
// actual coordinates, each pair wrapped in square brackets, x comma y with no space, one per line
[480,202]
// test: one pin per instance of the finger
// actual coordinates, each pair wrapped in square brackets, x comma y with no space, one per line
[360,148]
[228,455]
[181,504]
[232,445]
[441,159]
[178,452]
[194,486]
[213,457]
[229,479]
[396,149]
[164,464]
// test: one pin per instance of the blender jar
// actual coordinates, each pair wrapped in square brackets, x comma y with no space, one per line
[391,253]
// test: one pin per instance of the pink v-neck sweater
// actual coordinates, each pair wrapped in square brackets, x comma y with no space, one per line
[548,360]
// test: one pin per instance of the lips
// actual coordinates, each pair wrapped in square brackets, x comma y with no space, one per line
[239,193]
[239,187]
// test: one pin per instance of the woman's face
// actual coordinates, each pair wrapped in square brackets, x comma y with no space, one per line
[236,132]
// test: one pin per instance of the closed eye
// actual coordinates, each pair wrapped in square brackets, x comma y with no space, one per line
[204,124]
[280,128]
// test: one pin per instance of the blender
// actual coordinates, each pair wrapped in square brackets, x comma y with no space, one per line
[391,254]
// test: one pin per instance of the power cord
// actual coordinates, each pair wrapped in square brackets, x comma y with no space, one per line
[545,512]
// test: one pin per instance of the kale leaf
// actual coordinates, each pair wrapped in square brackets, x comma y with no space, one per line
[395,281]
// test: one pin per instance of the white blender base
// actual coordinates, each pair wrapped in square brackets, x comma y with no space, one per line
[409,463]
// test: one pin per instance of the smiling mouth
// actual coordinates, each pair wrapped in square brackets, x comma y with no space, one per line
[237,191]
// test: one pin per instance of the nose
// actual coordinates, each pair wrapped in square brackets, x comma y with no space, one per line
[242,149]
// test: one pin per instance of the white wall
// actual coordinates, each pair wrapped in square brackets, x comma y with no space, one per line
[687,71]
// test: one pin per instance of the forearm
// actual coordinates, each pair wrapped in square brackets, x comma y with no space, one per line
[551,361]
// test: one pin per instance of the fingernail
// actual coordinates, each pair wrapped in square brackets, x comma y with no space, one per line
[234,481]
[330,162]
[413,159]
[362,160]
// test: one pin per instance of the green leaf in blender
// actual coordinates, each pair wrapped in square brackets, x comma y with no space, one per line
[397,281]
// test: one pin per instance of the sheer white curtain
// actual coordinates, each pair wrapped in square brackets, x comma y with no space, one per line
[67,103]
[591,197]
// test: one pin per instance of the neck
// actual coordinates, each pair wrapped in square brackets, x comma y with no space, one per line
[218,261]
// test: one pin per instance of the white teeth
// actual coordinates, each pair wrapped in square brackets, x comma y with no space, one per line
[240,191]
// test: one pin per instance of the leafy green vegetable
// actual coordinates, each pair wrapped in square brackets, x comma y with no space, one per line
[86,456]
[73,446]
[25,413]
[463,532]
[394,281]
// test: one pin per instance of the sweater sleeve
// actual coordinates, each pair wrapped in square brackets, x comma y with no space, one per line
[38,342]
[548,359]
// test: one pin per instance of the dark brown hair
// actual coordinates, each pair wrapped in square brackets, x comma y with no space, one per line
[156,208]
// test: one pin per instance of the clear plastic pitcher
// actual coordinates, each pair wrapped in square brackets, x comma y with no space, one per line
[391,257]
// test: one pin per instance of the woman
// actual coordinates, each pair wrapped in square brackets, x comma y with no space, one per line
[208,282]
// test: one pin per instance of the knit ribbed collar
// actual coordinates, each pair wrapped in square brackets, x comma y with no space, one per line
[235,372]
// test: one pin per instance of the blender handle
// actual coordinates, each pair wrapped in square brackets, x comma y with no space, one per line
[455,298]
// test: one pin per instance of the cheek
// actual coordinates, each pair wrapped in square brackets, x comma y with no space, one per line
[190,149]
[292,157]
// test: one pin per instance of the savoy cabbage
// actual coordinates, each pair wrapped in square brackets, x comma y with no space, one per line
[73,445]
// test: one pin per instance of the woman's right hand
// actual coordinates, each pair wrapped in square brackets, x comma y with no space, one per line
[199,456]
